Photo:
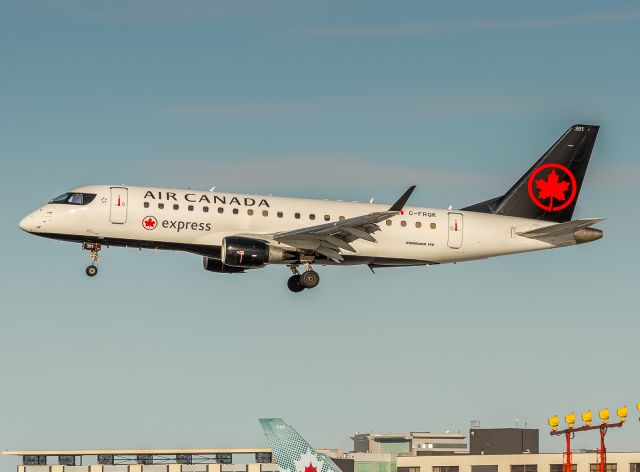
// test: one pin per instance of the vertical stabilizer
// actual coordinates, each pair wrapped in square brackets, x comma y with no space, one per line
[549,190]
[291,452]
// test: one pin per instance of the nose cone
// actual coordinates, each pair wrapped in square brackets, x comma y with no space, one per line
[27,223]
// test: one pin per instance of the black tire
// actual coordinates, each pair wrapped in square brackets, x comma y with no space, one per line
[91,271]
[294,284]
[310,279]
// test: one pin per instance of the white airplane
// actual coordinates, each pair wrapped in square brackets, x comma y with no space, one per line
[237,232]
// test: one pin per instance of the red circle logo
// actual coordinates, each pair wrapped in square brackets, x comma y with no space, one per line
[548,186]
[149,222]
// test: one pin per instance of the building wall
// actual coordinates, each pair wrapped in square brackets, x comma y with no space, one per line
[504,462]
[503,441]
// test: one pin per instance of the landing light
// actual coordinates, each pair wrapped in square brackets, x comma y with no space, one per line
[622,412]
[570,419]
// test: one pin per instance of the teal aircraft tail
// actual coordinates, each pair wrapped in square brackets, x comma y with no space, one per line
[291,452]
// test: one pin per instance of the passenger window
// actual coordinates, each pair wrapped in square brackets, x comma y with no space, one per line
[403,223]
[205,209]
[250,212]
[220,210]
[146,204]
[190,208]
[312,216]
[280,215]
[297,216]
[161,205]
[341,218]
[433,226]
[265,213]
[418,224]
[389,222]
[235,211]
[327,218]
[176,206]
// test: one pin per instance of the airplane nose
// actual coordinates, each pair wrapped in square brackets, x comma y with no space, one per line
[26,224]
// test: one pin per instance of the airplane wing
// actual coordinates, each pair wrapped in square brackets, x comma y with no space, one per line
[330,238]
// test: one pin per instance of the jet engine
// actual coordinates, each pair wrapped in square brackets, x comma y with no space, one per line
[248,253]
[216,265]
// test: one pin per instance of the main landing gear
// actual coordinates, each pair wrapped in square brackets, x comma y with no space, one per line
[298,282]
[92,270]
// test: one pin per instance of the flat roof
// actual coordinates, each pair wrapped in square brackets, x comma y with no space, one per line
[133,452]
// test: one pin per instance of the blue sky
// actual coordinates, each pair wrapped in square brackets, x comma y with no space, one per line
[331,99]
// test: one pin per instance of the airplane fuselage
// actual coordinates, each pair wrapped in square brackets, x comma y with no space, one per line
[197,221]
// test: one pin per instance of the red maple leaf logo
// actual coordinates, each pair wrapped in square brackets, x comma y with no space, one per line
[310,468]
[149,222]
[552,188]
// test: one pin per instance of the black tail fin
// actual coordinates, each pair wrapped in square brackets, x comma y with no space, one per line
[550,189]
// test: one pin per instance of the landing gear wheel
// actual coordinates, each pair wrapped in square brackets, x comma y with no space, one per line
[309,279]
[294,284]
[91,271]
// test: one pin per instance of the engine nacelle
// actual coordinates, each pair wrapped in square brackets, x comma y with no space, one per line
[216,265]
[248,253]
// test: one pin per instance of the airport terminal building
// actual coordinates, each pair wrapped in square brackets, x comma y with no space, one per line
[489,450]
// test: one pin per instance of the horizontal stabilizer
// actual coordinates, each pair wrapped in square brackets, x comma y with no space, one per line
[560,229]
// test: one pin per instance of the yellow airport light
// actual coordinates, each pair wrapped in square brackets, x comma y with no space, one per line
[622,412]
[587,416]
[570,419]
[554,421]
[604,415]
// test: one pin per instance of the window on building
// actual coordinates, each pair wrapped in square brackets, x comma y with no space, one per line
[446,468]
[610,467]
[176,206]
[161,205]
[525,468]
[190,208]
[634,467]
[408,469]
[265,212]
[560,468]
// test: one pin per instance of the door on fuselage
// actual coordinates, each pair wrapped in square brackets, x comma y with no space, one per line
[455,231]
[118,213]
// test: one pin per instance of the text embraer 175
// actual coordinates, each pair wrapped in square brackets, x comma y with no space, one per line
[235,232]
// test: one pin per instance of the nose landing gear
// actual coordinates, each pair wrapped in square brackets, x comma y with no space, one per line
[92,270]
[298,282]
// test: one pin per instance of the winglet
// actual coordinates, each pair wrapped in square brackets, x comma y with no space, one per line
[402,201]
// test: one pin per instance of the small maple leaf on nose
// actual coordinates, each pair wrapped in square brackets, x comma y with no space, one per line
[310,468]
[552,187]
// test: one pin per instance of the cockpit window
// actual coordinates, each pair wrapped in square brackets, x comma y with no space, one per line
[74,198]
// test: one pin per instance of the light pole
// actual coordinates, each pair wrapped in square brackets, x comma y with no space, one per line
[587,417]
